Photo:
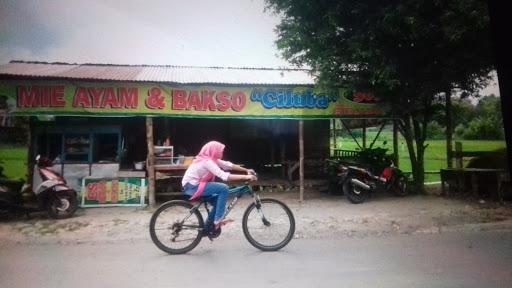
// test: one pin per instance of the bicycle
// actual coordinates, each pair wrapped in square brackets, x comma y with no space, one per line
[265,217]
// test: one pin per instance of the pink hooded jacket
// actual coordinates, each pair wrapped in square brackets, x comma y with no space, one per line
[212,150]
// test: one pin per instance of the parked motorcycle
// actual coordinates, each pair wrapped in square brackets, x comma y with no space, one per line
[358,182]
[53,195]
[374,171]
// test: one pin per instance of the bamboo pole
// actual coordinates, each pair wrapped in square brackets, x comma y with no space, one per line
[301,160]
[150,161]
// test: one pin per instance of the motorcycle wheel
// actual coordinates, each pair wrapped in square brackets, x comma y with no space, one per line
[400,186]
[62,205]
[355,195]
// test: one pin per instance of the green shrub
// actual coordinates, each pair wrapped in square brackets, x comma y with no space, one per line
[435,131]
[484,129]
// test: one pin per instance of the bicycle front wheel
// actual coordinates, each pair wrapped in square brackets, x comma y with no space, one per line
[268,225]
[175,228]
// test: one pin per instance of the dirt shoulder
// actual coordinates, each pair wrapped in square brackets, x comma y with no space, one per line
[319,216]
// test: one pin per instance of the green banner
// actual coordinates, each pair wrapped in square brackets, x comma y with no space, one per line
[131,99]
[99,192]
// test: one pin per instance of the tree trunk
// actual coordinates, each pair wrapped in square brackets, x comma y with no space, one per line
[415,145]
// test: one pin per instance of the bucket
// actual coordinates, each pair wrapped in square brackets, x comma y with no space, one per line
[139,165]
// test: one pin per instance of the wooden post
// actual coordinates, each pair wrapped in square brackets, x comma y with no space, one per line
[334,135]
[449,129]
[301,160]
[150,161]
[395,143]
[458,159]
[364,133]
[30,152]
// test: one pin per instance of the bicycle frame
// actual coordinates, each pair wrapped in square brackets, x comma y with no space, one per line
[239,191]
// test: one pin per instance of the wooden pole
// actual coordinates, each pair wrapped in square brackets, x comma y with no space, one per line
[301,160]
[458,152]
[30,152]
[334,135]
[449,129]
[150,161]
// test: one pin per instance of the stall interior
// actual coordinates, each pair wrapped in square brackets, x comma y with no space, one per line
[111,146]
[82,146]
[265,145]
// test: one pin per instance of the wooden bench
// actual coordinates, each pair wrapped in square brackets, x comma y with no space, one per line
[290,166]
[463,180]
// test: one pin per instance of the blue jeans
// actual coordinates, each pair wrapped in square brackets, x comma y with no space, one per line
[216,194]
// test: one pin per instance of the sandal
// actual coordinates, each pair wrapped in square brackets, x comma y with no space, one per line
[221,223]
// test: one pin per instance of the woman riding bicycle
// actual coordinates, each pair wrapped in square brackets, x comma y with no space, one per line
[198,180]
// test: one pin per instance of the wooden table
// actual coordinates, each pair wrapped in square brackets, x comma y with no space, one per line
[175,173]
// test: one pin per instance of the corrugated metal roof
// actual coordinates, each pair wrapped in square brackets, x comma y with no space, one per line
[150,73]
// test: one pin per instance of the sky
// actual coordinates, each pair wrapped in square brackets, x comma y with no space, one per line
[227,33]
[236,33]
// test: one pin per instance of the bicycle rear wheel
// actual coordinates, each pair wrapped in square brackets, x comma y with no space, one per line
[270,226]
[175,228]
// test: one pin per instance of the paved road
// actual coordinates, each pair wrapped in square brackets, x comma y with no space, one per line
[476,259]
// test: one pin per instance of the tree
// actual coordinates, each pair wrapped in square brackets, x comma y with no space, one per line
[406,52]
[463,111]
[485,122]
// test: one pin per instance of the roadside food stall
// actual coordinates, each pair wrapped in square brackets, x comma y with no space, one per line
[111,129]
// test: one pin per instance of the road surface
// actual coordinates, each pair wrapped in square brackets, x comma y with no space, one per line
[452,259]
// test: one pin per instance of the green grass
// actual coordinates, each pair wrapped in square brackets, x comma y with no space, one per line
[435,154]
[14,162]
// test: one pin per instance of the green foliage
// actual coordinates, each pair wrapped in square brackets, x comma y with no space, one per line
[14,162]
[435,131]
[406,52]
[483,128]
[463,111]
[483,121]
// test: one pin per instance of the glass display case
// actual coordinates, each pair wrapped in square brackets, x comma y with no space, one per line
[77,147]
[80,145]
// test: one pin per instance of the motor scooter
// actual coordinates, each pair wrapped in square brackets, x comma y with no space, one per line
[52,194]
[358,182]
